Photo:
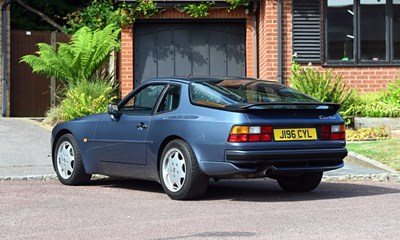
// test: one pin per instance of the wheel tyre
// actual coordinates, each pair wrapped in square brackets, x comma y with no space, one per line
[180,174]
[68,162]
[302,183]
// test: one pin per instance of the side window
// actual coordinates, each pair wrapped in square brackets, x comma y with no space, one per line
[144,101]
[171,99]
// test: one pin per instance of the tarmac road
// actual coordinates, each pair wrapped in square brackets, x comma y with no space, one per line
[246,209]
[239,209]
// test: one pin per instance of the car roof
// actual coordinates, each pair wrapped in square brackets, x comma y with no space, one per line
[189,79]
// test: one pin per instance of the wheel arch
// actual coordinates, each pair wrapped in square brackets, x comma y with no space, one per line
[59,134]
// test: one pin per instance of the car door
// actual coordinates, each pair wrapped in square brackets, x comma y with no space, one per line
[123,138]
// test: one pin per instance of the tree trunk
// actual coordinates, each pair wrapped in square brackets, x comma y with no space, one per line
[42,15]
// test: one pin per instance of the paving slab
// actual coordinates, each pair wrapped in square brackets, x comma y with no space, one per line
[24,148]
[351,168]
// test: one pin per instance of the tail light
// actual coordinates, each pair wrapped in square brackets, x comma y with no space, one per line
[250,134]
[333,132]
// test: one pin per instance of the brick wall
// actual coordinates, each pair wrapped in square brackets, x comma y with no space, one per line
[268,40]
[368,79]
[127,57]
[249,47]
[126,65]
[364,78]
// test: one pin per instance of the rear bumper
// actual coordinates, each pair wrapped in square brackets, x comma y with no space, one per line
[258,163]
[286,155]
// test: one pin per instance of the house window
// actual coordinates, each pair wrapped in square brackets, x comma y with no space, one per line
[362,31]
[373,28]
[396,33]
[340,40]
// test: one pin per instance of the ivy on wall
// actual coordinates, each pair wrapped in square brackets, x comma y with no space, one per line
[101,13]
[201,9]
[197,10]
[237,3]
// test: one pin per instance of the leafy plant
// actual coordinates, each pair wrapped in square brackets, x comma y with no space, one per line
[87,97]
[101,13]
[237,3]
[393,93]
[373,104]
[146,7]
[78,60]
[324,86]
[53,116]
[197,10]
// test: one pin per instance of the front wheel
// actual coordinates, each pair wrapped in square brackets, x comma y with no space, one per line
[68,162]
[180,174]
[300,183]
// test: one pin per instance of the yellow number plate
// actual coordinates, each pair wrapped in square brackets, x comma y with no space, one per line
[295,134]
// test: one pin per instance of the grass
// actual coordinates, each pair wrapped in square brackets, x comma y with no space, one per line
[385,151]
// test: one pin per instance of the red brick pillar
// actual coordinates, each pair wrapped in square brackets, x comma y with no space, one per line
[268,40]
[249,47]
[127,60]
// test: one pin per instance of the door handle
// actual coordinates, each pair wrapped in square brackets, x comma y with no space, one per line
[141,126]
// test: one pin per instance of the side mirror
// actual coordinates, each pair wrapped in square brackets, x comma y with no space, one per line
[113,111]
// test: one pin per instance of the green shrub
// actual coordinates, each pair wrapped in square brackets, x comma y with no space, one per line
[324,86]
[392,95]
[373,104]
[85,98]
[53,116]
[78,64]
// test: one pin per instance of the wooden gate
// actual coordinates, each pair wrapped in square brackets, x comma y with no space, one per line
[29,92]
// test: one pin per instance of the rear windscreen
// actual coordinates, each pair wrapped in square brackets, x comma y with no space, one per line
[232,92]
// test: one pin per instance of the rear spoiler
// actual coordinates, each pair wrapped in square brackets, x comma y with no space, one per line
[283,105]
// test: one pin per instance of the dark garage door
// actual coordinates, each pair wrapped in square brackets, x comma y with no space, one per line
[183,49]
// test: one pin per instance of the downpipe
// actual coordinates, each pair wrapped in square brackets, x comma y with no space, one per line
[4,58]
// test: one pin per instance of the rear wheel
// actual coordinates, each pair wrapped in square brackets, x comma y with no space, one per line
[68,162]
[180,174]
[300,183]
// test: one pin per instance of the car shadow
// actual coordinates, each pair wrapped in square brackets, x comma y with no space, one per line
[260,190]
[267,190]
[129,184]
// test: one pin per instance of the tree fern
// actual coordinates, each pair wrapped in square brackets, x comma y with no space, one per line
[79,59]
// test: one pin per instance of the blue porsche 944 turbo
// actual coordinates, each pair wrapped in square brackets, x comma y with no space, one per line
[181,132]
